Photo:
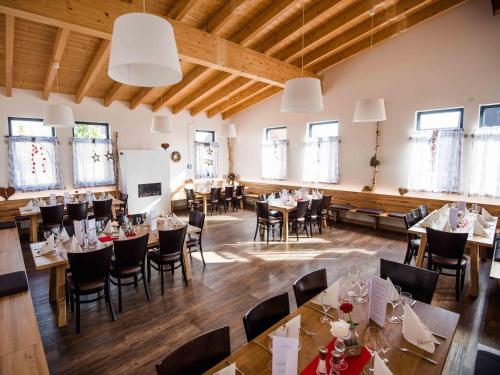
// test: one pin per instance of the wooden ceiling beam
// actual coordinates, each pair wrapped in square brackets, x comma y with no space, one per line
[194,45]
[263,94]
[141,96]
[113,93]
[57,51]
[93,70]
[246,93]
[181,9]
[224,15]
[9,54]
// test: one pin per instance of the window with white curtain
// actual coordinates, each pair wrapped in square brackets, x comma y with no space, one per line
[206,153]
[274,153]
[436,151]
[321,152]
[93,157]
[33,156]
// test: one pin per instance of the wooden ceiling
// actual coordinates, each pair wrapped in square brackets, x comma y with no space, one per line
[234,53]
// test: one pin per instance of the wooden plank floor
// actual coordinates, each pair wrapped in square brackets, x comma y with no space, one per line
[239,273]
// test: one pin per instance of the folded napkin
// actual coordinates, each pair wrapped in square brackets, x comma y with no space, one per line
[479,230]
[108,228]
[121,234]
[416,332]
[30,205]
[333,294]
[486,215]
[392,293]
[339,328]
[481,221]
[289,329]
[380,368]
[428,220]
[42,203]
[176,220]
[48,246]
[74,246]
[64,235]
[229,370]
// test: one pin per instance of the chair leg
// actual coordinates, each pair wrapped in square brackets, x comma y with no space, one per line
[201,252]
[297,231]
[319,224]
[119,294]
[161,281]
[135,282]
[407,259]
[256,230]
[457,284]
[281,231]
[463,278]
[110,304]
[183,269]
[267,230]
[145,284]
[71,302]
[172,270]
[311,227]
[77,322]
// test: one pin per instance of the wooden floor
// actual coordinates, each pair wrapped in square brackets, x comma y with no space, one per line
[239,273]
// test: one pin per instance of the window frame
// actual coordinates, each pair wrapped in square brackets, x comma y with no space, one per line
[267,130]
[310,126]
[482,108]
[11,119]
[105,124]
[444,110]
[212,132]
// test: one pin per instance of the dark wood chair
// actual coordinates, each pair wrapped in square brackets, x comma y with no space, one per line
[198,355]
[326,201]
[196,219]
[424,211]
[297,218]
[89,274]
[265,221]
[168,257]
[52,216]
[238,197]
[215,200]
[446,251]
[413,240]
[265,314]
[102,209]
[77,211]
[421,283]
[129,262]
[123,210]
[313,216]
[191,202]
[417,215]
[228,197]
[310,285]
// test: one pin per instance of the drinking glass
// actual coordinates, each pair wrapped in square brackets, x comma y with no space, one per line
[326,304]
[394,300]
[352,275]
[374,342]
[405,298]
[386,348]
[364,275]
[340,347]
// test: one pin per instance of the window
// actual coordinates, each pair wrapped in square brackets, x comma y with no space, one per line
[489,115]
[33,156]
[93,157]
[274,153]
[321,152]
[436,151]
[206,153]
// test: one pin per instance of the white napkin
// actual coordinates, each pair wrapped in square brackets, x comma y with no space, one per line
[333,295]
[176,220]
[108,228]
[229,370]
[380,366]
[64,235]
[48,246]
[339,328]
[67,198]
[481,221]
[392,292]
[42,203]
[479,230]
[29,206]
[447,227]
[74,246]
[121,234]
[289,329]
[486,215]
[429,219]
[416,332]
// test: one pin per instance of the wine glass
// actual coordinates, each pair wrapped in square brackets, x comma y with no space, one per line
[352,275]
[364,275]
[385,348]
[374,342]
[340,347]
[326,304]
[394,300]
[405,298]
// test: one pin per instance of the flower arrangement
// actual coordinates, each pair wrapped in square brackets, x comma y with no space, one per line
[347,308]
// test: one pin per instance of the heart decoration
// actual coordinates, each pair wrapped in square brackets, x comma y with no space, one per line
[6,193]
[165,146]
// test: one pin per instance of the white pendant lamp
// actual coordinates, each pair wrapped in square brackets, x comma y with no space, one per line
[161,124]
[369,110]
[302,95]
[231,131]
[58,116]
[143,51]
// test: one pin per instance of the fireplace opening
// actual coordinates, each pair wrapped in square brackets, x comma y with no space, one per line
[149,190]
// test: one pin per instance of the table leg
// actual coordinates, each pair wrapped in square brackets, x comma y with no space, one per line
[474,270]
[60,276]
[421,250]
[205,209]
[34,228]
[285,226]
[241,203]
[187,262]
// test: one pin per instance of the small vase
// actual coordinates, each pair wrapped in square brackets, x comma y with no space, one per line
[353,346]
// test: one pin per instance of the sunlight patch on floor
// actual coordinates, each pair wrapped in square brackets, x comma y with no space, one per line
[307,254]
[219,257]
[293,241]
[218,218]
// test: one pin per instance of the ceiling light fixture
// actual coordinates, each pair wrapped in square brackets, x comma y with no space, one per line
[161,124]
[58,116]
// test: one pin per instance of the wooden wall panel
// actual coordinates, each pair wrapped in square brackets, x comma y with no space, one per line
[2,50]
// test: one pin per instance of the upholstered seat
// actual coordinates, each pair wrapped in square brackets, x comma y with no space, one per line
[87,287]
[441,261]
[399,215]
[124,271]
[165,258]
[370,211]
[7,224]
[346,207]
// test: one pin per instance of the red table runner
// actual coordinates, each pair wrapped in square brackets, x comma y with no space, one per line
[110,238]
[355,364]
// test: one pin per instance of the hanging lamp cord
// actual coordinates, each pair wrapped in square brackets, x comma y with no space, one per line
[302,37]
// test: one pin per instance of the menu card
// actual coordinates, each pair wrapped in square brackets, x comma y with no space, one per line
[461,206]
[285,355]
[79,227]
[453,217]
[377,304]
[91,231]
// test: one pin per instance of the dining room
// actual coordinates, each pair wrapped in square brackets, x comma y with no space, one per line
[235,187]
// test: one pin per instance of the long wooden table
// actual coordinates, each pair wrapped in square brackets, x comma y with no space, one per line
[21,349]
[474,243]
[253,357]
[285,210]
[57,265]
[34,215]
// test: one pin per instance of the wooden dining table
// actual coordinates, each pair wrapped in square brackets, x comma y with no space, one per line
[254,357]
[58,263]
[285,209]
[474,243]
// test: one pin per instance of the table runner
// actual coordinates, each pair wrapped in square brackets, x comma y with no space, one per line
[111,238]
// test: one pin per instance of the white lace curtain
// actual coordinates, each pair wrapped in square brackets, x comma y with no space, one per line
[274,154]
[93,163]
[484,176]
[206,159]
[321,160]
[34,163]
[435,161]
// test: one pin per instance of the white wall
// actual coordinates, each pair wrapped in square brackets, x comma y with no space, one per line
[133,127]
[452,60]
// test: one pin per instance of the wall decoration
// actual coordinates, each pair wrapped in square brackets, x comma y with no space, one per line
[402,190]
[6,193]
[165,146]
[175,156]
[374,161]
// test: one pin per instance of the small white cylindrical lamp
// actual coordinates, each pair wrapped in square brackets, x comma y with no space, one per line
[58,116]
[369,110]
[302,95]
[161,124]
[231,131]
[143,51]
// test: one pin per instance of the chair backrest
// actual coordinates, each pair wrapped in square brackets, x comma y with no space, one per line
[325,202]
[132,251]
[77,211]
[446,244]
[262,209]
[52,215]
[316,205]
[240,189]
[172,241]
[421,283]
[265,314]
[409,220]
[417,215]
[124,199]
[262,198]
[197,219]
[302,207]
[310,285]
[423,210]
[189,194]
[198,355]
[133,218]
[90,265]
[215,194]
[102,208]
[228,192]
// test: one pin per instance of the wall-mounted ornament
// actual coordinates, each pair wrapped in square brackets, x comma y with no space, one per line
[402,190]
[165,146]
[7,192]
[374,161]
[95,157]
[175,156]
[109,155]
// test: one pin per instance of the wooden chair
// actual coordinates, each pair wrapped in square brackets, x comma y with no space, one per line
[129,262]
[89,274]
[266,221]
[191,202]
[168,257]
[77,211]
[298,218]
[325,209]
[102,209]
[265,314]
[198,355]
[309,285]
[228,198]
[215,200]
[240,190]
[424,211]
[446,251]
[196,219]
[413,240]
[313,216]
[52,216]
[421,283]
